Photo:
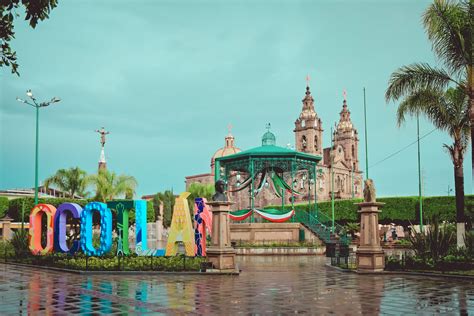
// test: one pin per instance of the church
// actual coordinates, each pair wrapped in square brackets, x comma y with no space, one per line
[338,171]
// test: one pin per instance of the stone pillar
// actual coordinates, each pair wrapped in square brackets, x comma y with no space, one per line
[220,253]
[370,256]
[6,228]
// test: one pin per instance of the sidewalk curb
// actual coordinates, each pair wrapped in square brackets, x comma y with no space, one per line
[82,272]
[469,278]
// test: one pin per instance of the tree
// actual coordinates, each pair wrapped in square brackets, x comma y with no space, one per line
[168,200]
[35,10]
[448,111]
[449,27]
[109,185]
[199,190]
[74,181]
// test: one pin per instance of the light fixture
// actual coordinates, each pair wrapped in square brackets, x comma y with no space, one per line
[29,93]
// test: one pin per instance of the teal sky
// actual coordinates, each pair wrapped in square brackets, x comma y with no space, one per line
[166,79]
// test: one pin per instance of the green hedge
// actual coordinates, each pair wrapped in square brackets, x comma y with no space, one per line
[3,206]
[398,210]
[15,206]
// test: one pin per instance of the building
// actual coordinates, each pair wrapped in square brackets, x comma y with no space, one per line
[43,192]
[208,178]
[339,168]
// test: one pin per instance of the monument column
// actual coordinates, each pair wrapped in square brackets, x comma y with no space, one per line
[6,228]
[220,253]
[370,255]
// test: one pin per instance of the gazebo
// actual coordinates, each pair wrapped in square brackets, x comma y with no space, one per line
[267,166]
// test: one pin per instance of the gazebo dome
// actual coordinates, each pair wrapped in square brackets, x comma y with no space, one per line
[268,139]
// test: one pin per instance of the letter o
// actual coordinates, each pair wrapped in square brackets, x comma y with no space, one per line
[105,229]
[60,218]
[35,229]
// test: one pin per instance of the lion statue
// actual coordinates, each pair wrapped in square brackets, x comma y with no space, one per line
[369,191]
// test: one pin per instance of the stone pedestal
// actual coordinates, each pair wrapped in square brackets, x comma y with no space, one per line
[220,253]
[5,223]
[370,256]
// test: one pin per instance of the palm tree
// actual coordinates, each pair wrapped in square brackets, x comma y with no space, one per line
[73,181]
[109,185]
[448,25]
[448,111]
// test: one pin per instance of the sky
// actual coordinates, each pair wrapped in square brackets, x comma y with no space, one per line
[166,78]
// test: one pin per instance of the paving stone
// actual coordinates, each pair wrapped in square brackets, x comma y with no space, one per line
[267,285]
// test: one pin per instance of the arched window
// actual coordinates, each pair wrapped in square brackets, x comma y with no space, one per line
[303,142]
[353,151]
[316,144]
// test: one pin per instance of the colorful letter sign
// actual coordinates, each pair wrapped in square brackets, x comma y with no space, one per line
[60,227]
[35,229]
[181,227]
[202,220]
[105,229]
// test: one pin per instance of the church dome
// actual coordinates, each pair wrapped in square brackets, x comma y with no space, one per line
[225,151]
[228,149]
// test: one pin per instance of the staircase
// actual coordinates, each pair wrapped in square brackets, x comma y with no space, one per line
[321,227]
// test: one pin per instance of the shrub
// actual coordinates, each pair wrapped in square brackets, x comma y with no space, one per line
[399,210]
[3,206]
[20,242]
[6,249]
[150,212]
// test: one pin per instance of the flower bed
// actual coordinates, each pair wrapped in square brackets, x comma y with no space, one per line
[116,263]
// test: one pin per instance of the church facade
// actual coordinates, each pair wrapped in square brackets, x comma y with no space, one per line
[338,170]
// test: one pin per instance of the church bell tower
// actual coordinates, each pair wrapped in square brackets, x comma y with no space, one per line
[308,128]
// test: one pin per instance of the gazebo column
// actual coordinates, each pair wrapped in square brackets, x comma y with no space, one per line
[252,189]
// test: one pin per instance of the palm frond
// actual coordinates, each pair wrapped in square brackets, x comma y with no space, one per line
[415,77]
[448,26]
[427,101]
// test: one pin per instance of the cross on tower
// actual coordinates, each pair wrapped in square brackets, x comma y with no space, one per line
[344,94]
[308,78]
[268,126]
[229,127]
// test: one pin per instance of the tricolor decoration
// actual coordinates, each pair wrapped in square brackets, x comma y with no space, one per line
[271,215]
[240,215]
[275,216]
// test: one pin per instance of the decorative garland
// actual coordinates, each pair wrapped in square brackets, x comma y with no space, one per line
[240,215]
[271,215]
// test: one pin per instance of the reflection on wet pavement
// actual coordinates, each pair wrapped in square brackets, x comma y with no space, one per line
[266,285]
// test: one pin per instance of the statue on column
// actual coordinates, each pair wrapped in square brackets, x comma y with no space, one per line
[220,195]
[102,133]
[369,191]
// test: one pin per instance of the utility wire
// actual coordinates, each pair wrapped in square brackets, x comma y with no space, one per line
[399,151]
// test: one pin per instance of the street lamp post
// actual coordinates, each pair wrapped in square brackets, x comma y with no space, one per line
[420,196]
[37,106]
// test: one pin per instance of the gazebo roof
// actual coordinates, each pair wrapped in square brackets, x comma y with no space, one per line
[269,151]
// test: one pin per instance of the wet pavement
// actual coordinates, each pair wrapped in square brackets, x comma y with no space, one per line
[267,285]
